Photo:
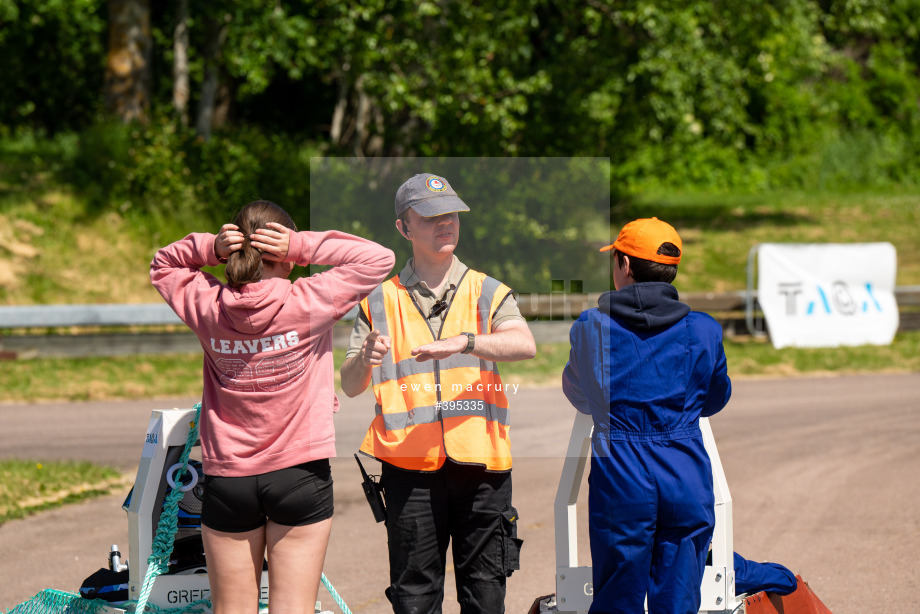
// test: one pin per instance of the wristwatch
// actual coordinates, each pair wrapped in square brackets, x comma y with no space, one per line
[470,342]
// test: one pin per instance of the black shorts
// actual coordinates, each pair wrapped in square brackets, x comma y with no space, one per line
[295,496]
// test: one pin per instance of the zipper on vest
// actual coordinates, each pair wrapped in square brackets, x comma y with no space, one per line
[437,367]
[437,363]
[449,303]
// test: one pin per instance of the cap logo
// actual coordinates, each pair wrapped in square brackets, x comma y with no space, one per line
[434,184]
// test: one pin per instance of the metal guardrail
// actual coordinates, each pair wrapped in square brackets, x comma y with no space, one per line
[533,306]
[549,316]
[55,316]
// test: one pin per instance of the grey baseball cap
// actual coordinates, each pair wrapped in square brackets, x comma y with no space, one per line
[429,195]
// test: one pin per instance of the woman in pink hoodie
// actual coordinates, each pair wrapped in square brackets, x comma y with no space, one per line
[266,414]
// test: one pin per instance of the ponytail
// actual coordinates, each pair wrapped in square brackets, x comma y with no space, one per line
[245,266]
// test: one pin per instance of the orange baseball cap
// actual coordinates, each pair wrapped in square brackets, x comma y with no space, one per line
[642,238]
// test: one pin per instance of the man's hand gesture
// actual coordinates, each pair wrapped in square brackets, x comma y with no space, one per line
[440,349]
[374,348]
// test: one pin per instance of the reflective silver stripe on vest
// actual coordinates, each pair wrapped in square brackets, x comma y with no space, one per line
[410,366]
[378,310]
[420,415]
[428,414]
[488,365]
[379,322]
[489,286]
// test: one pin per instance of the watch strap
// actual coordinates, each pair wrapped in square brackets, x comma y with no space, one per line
[470,342]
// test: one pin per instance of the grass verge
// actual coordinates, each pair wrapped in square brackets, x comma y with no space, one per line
[757,358]
[27,487]
[179,375]
[100,379]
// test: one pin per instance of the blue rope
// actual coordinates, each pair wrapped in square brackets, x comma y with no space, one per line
[335,596]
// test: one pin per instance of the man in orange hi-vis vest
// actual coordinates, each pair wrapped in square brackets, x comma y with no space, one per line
[429,340]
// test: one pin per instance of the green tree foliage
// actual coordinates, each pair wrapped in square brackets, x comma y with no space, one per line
[692,93]
[450,78]
[800,93]
[52,58]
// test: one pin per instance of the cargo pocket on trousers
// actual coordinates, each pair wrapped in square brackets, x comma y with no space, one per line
[511,545]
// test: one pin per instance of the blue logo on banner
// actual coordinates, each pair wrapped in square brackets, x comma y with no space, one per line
[839,298]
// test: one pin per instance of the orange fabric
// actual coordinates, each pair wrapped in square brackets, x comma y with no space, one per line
[642,238]
[801,601]
[473,439]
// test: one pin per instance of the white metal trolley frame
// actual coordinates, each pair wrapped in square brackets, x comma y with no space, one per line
[574,588]
[164,441]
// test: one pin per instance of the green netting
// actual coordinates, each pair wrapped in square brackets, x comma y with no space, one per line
[50,601]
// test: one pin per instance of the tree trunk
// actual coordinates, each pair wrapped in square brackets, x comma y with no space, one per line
[362,118]
[375,143]
[338,115]
[223,104]
[180,62]
[128,66]
[216,35]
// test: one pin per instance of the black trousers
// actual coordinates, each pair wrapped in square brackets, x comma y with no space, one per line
[425,511]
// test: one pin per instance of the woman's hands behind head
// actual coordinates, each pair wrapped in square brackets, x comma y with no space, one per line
[228,240]
[273,242]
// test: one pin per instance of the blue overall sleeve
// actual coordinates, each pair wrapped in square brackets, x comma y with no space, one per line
[571,384]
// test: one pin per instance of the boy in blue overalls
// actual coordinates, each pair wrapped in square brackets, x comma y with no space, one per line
[647,368]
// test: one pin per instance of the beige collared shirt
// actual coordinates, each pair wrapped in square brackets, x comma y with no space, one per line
[425,299]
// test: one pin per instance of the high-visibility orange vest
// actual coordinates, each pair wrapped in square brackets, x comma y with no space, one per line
[436,409]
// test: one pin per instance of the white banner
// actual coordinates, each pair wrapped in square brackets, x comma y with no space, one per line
[827,295]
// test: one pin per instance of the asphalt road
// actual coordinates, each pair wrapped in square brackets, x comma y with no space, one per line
[823,474]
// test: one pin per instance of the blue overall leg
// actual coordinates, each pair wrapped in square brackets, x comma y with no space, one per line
[686,518]
[622,509]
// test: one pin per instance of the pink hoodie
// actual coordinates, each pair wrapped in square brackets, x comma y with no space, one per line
[268,395]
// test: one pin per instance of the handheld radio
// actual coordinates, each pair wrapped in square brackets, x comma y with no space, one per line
[374,494]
